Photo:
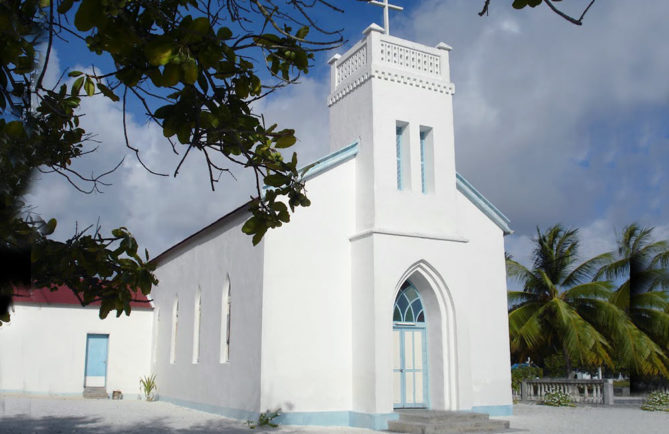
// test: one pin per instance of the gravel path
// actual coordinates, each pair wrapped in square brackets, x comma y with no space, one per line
[543,419]
[27,414]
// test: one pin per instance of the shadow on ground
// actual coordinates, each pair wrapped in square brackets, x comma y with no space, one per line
[21,424]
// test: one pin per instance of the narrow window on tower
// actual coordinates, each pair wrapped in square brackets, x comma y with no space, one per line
[196,325]
[426,160]
[402,154]
[175,324]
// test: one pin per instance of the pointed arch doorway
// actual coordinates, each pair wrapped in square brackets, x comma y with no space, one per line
[410,373]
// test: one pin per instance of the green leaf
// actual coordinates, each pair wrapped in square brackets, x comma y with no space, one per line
[224,33]
[50,227]
[285,141]
[171,74]
[64,6]
[258,235]
[74,74]
[302,32]
[189,69]
[76,86]
[14,129]
[250,225]
[85,17]
[276,180]
[158,52]
[89,86]
[108,92]
[200,25]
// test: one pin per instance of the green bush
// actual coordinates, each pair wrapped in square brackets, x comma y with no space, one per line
[148,386]
[558,398]
[265,419]
[554,366]
[524,373]
[656,401]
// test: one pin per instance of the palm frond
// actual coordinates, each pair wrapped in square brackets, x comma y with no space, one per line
[614,270]
[516,297]
[596,290]
[581,340]
[653,299]
[621,297]
[587,268]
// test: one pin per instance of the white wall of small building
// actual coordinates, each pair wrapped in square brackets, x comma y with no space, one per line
[205,261]
[487,305]
[306,340]
[43,349]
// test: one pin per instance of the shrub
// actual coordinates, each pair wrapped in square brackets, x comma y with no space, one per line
[523,373]
[148,386]
[265,419]
[558,398]
[656,401]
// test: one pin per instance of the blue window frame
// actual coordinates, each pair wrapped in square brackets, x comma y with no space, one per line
[422,161]
[408,305]
[398,148]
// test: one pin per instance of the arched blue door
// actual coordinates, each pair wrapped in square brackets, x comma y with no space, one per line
[410,375]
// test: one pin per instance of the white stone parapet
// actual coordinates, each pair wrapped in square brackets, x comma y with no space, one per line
[386,57]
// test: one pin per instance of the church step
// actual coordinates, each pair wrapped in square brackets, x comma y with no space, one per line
[95,393]
[436,422]
[474,426]
[432,416]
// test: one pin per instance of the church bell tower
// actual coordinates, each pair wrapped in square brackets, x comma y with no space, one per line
[395,99]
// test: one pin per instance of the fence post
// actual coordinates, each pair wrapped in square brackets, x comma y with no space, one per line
[607,392]
[523,390]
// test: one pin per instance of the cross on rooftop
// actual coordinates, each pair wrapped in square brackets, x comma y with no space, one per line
[386,6]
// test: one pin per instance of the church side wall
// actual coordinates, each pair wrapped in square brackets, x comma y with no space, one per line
[306,341]
[204,264]
[43,349]
[487,306]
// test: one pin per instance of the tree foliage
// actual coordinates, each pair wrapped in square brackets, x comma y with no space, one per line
[521,4]
[195,67]
[561,309]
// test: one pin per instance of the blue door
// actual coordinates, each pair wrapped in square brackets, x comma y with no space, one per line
[410,374]
[96,360]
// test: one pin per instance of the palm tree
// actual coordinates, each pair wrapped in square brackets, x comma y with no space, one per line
[560,308]
[641,267]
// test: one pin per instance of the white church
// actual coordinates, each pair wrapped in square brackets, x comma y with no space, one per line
[388,292]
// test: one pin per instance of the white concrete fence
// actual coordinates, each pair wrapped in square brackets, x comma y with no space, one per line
[581,391]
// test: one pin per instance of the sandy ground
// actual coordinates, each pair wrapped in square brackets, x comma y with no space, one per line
[22,414]
[542,419]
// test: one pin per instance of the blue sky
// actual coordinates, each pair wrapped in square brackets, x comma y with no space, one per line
[554,123]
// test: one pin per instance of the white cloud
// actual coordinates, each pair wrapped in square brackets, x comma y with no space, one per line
[554,123]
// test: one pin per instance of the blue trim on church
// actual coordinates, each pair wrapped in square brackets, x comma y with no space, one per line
[329,161]
[483,204]
[494,410]
[317,418]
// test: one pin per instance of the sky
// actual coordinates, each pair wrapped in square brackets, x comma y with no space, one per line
[554,123]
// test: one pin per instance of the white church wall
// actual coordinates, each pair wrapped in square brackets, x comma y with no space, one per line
[381,82]
[204,263]
[43,349]
[306,341]
[397,209]
[489,333]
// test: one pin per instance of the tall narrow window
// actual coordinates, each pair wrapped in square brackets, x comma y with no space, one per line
[196,325]
[402,155]
[225,321]
[175,321]
[426,160]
